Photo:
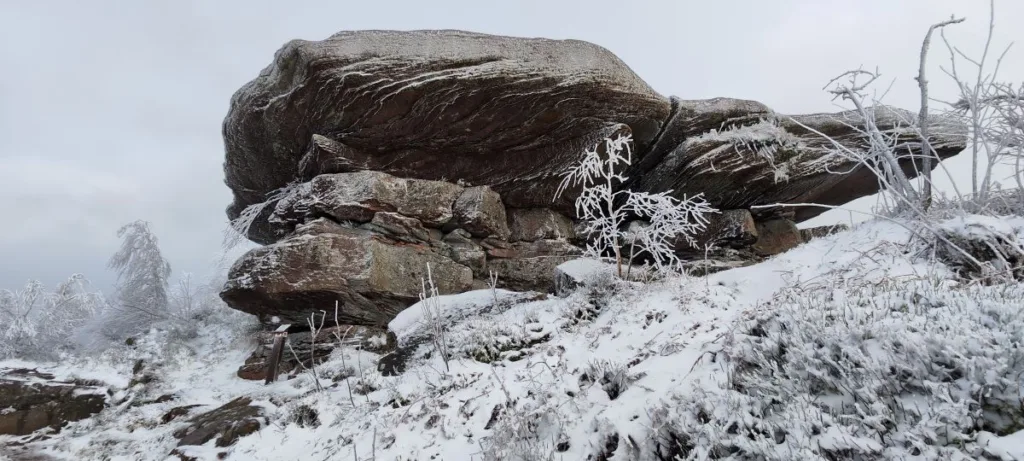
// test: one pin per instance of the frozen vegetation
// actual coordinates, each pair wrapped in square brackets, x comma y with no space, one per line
[862,345]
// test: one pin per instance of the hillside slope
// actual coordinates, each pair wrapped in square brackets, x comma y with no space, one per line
[855,346]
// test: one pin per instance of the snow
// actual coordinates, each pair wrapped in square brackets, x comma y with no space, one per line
[615,366]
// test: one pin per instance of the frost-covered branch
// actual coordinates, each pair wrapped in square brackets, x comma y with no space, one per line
[605,210]
[922,118]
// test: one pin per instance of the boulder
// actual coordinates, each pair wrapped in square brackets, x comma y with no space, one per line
[32,400]
[729,228]
[479,211]
[227,423]
[539,223]
[306,349]
[740,153]
[776,236]
[398,227]
[368,277]
[358,197]
[486,110]
[515,113]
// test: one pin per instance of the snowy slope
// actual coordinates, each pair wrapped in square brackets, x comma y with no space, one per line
[622,370]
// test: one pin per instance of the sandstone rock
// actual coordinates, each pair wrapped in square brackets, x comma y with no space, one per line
[729,228]
[470,255]
[399,227]
[305,350]
[822,231]
[479,210]
[357,197]
[227,423]
[740,154]
[421,131]
[30,401]
[489,110]
[539,223]
[776,236]
[528,273]
[513,113]
[370,278]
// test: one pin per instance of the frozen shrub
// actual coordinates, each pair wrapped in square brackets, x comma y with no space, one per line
[612,377]
[997,244]
[605,208]
[890,369]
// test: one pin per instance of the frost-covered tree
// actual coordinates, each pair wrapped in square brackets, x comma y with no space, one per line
[35,323]
[605,211]
[142,271]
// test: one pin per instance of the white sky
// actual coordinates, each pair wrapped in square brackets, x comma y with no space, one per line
[111,111]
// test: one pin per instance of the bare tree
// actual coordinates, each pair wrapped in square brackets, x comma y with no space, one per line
[922,118]
[992,109]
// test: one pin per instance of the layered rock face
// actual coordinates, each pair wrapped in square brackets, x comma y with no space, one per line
[31,400]
[359,245]
[369,156]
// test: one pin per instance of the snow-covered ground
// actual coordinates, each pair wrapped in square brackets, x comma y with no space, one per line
[854,346]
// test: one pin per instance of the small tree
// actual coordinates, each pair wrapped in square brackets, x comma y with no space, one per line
[142,274]
[605,210]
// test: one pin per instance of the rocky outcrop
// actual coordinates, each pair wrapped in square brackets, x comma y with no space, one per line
[32,400]
[505,112]
[368,277]
[363,243]
[370,155]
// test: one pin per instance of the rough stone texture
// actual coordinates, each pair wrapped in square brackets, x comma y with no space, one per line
[539,223]
[227,423]
[740,153]
[529,273]
[357,197]
[822,231]
[30,401]
[730,228]
[310,350]
[488,110]
[399,227]
[479,211]
[379,152]
[776,236]
[371,278]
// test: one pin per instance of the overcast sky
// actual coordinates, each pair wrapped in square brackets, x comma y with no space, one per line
[110,111]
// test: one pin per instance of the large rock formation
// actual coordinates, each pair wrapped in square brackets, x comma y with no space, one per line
[369,155]
[510,113]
